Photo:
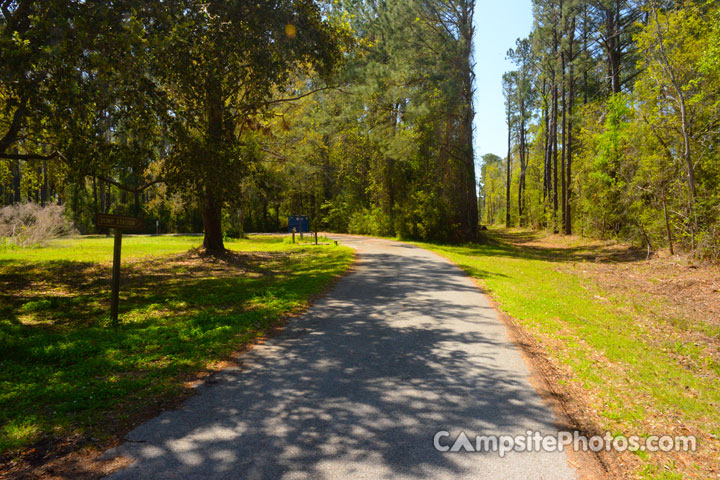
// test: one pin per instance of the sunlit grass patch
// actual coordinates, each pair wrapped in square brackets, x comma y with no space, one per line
[65,369]
[17,433]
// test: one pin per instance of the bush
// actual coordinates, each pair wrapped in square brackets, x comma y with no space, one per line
[336,215]
[426,218]
[370,222]
[26,224]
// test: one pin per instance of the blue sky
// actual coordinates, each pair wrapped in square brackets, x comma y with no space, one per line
[497,25]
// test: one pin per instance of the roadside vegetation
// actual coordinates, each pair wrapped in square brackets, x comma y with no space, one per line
[68,375]
[612,114]
[636,342]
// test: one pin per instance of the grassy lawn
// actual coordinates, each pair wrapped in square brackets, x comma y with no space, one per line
[644,370]
[66,372]
[99,248]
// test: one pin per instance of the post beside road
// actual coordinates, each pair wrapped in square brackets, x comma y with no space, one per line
[118,223]
[115,295]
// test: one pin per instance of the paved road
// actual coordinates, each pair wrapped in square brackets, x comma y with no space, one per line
[403,347]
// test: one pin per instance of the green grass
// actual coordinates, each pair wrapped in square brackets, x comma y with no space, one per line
[64,369]
[603,338]
[99,248]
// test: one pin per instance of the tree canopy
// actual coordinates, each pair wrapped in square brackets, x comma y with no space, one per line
[357,113]
[229,116]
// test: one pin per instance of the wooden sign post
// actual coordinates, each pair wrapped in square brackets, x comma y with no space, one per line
[118,223]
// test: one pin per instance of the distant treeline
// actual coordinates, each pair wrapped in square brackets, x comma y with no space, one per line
[228,116]
[614,116]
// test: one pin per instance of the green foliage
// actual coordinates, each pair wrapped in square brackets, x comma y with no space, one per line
[370,222]
[374,154]
[634,122]
[426,219]
[492,189]
[606,186]
[226,116]
[612,141]
[337,215]
[170,90]
[222,62]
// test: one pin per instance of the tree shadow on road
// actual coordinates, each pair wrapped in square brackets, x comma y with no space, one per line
[394,355]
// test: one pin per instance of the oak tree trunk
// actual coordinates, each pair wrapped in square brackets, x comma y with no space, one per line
[212,226]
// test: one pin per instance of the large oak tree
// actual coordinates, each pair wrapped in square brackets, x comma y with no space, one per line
[222,64]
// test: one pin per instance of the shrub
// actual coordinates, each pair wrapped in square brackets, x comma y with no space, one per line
[425,218]
[370,222]
[26,224]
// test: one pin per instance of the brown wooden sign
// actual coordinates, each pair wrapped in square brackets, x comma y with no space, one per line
[118,221]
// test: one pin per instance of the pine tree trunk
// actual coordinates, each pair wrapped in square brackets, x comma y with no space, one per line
[554,147]
[554,133]
[564,142]
[585,50]
[466,30]
[546,149]
[16,181]
[44,191]
[568,182]
[523,165]
[507,186]
[614,53]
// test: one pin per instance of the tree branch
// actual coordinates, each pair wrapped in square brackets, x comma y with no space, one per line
[113,182]
[125,187]
[292,99]
[270,152]
[28,156]
[11,135]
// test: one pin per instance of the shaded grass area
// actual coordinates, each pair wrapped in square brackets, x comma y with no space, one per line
[642,374]
[64,370]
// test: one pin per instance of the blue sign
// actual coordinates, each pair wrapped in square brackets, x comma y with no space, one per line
[299,222]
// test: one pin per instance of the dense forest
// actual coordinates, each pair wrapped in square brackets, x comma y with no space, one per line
[613,111]
[229,116]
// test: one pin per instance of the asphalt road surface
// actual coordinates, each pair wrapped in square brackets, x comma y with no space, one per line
[403,347]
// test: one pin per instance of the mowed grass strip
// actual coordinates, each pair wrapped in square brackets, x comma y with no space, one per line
[66,371]
[613,346]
